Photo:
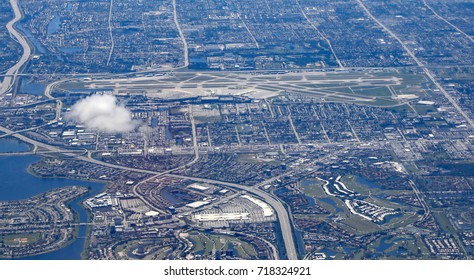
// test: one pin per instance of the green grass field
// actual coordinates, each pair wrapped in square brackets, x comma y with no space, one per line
[20,239]
[204,244]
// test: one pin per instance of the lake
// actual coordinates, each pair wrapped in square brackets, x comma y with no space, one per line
[18,184]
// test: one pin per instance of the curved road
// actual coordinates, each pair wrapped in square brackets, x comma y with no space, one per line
[11,75]
[59,104]
[159,174]
[283,218]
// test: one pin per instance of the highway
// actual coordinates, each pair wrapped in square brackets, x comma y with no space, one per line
[423,203]
[24,130]
[283,218]
[159,174]
[11,75]
[448,22]
[112,43]
[248,30]
[341,66]
[59,104]
[181,35]
[71,153]
[420,64]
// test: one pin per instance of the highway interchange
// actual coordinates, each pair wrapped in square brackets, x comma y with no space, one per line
[11,75]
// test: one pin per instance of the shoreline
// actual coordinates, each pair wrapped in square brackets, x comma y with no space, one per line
[77,217]
[83,255]
[10,138]
[75,232]
[32,173]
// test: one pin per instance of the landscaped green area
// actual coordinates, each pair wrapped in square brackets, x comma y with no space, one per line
[368,192]
[146,249]
[371,88]
[207,244]
[20,239]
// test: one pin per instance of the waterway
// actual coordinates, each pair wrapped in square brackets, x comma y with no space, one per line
[387,243]
[31,87]
[331,202]
[54,25]
[312,201]
[370,184]
[9,145]
[38,46]
[18,183]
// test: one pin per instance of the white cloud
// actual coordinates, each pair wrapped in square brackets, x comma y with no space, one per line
[102,112]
